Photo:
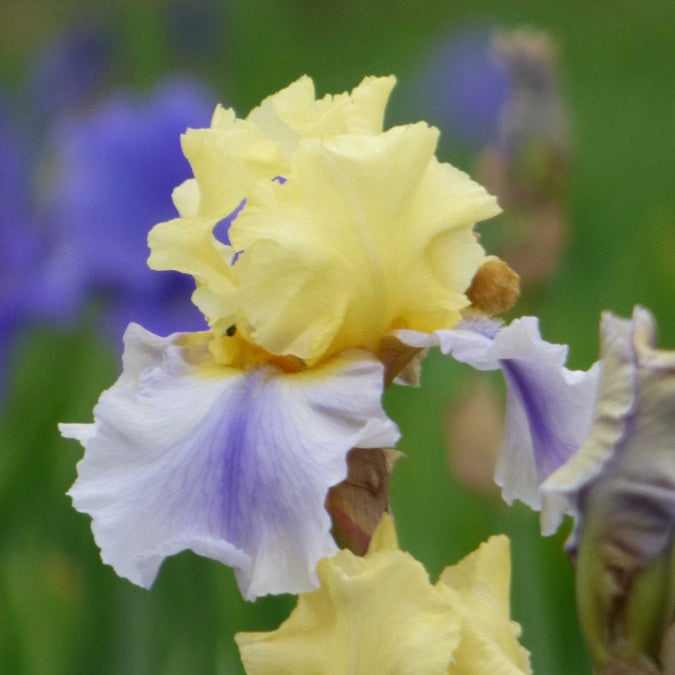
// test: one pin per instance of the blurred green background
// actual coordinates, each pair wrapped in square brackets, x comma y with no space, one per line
[61,610]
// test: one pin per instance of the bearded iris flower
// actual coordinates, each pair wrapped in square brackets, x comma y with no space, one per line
[620,486]
[312,235]
[380,614]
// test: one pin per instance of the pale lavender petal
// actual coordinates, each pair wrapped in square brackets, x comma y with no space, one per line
[232,464]
[625,470]
[617,391]
[549,407]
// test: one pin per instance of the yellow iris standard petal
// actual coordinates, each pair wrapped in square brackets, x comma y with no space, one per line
[367,235]
[478,589]
[294,112]
[185,245]
[332,233]
[229,158]
[380,614]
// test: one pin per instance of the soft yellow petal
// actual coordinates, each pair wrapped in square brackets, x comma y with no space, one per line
[380,614]
[478,589]
[218,300]
[185,198]
[225,162]
[229,158]
[368,103]
[294,112]
[368,234]
[377,614]
[384,538]
[486,570]
[187,245]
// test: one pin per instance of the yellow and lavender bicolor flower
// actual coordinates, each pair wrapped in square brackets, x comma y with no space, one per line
[312,235]
[621,488]
[549,407]
[380,614]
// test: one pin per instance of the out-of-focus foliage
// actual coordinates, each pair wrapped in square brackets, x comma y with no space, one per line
[61,610]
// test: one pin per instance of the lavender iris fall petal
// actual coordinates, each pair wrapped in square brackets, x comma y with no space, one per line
[233,464]
[549,407]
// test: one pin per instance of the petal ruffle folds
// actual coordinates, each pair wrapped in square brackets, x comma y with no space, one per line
[295,112]
[478,588]
[625,467]
[373,614]
[380,614]
[549,408]
[233,464]
[229,158]
[367,234]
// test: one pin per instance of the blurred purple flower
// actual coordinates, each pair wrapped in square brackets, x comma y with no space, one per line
[113,170]
[70,70]
[19,245]
[463,89]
